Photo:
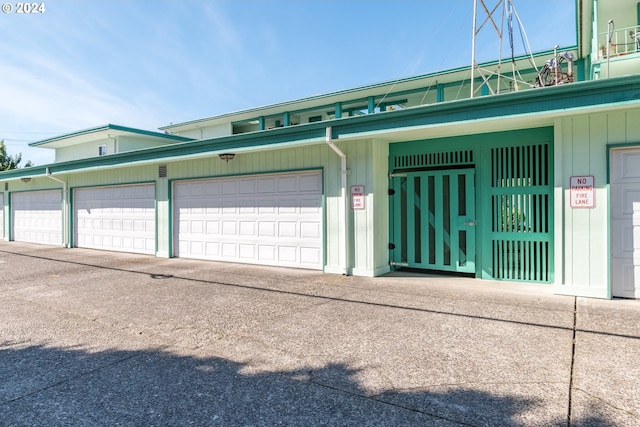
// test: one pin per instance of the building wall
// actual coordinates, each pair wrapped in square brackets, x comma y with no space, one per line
[366,162]
[217,131]
[582,237]
[114,145]
[83,151]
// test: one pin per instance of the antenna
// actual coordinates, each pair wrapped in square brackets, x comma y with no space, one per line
[494,19]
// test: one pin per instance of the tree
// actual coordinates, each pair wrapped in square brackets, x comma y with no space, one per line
[8,162]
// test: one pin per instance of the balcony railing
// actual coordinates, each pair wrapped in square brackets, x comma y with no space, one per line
[622,41]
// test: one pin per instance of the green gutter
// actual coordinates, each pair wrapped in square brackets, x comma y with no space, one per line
[110,127]
[542,100]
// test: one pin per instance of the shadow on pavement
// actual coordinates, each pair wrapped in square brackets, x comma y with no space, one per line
[40,385]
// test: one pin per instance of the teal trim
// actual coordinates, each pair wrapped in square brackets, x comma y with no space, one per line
[233,175]
[439,92]
[170,218]
[124,184]
[338,110]
[70,220]
[261,123]
[155,211]
[371,106]
[287,118]
[484,89]
[544,100]
[485,195]
[324,222]
[111,127]
[360,88]
[9,221]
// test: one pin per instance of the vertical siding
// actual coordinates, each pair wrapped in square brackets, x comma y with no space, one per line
[582,150]
[367,162]
[310,157]
[379,214]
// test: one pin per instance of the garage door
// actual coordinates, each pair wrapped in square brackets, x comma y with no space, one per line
[625,223]
[120,218]
[261,219]
[37,217]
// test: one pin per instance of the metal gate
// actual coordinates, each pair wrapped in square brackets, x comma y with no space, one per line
[433,219]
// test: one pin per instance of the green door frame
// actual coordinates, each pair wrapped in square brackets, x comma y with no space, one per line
[433,219]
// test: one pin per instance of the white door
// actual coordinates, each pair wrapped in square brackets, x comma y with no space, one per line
[273,219]
[625,223]
[1,216]
[119,218]
[37,217]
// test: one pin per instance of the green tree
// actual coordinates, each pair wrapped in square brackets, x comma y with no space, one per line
[8,162]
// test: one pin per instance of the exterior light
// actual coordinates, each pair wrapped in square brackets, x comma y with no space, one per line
[226,156]
[25,179]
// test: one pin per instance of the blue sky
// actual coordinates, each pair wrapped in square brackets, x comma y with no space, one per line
[146,64]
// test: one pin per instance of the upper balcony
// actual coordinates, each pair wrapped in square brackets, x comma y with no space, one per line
[615,41]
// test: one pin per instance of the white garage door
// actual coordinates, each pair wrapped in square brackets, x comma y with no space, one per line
[120,218]
[625,223]
[261,219]
[37,217]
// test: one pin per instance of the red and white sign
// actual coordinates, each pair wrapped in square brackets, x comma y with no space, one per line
[582,191]
[357,197]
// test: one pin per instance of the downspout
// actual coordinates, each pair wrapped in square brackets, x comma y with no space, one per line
[65,209]
[344,236]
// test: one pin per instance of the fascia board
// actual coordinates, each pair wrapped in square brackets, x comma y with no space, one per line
[576,97]
[101,132]
[340,96]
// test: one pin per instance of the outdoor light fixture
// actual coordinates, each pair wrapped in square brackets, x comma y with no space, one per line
[226,156]
[25,179]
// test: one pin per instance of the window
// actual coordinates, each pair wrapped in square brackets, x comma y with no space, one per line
[102,150]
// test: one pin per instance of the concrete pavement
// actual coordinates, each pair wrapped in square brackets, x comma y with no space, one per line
[99,338]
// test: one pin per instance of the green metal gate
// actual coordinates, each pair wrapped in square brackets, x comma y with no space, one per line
[521,191]
[433,225]
[478,204]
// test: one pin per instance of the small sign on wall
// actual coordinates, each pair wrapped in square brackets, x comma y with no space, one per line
[357,197]
[582,191]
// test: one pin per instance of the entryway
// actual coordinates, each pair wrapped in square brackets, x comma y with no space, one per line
[434,219]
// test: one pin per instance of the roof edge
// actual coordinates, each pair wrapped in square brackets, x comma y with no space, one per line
[110,126]
[358,88]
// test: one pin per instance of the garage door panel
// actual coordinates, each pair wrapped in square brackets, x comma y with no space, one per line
[267,219]
[121,218]
[625,223]
[37,217]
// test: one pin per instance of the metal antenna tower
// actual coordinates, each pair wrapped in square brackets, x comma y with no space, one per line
[493,18]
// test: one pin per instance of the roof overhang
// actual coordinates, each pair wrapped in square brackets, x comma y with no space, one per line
[103,132]
[359,93]
[533,108]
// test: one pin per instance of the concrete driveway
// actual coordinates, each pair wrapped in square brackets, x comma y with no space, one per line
[98,338]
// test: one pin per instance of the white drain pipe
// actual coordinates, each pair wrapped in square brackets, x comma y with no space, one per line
[65,209]
[344,236]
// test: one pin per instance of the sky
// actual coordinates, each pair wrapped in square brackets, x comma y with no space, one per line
[149,63]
